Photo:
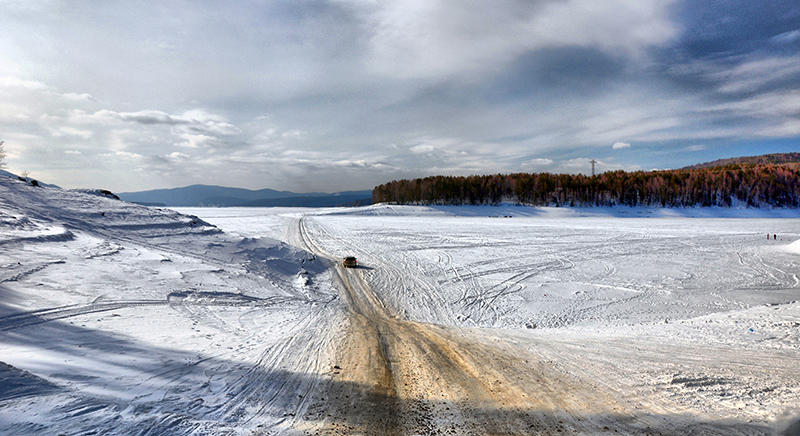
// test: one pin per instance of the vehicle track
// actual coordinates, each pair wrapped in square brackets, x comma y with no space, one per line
[416,378]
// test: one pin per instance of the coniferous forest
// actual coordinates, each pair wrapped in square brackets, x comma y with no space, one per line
[741,182]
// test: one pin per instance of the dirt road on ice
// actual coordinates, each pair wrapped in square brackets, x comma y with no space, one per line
[400,377]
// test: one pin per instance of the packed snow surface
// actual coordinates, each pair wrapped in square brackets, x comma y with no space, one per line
[123,319]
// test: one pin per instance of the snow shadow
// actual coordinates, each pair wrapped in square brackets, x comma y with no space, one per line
[16,383]
[95,382]
[792,430]
[10,296]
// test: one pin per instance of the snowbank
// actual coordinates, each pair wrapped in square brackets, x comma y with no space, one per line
[794,247]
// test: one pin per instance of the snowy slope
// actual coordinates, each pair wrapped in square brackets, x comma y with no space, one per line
[121,319]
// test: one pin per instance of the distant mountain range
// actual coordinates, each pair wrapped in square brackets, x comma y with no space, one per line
[219,196]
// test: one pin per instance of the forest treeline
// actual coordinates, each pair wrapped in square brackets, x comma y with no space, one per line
[729,185]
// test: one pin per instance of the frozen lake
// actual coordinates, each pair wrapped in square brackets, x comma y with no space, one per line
[551,272]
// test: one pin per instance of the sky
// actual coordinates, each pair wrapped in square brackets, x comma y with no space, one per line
[335,95]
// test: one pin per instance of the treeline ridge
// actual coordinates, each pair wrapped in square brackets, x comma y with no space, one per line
[730,185]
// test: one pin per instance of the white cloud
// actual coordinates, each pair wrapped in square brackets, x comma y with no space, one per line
[141,117]
[128,155]
[775,113]
[197,122]
[214,127]
[692,148]
[636,120]
[618,145]
[301,164]
[786,128]
[356,164]
[16,82]
[117,138]
[72,131]
[422,148]
[444,146]
[537,165]
[178,156]
[77,97]
[776,104]
[294,134]
[197,141]
[266,135]
[787,37]
[749,76]
[437,38]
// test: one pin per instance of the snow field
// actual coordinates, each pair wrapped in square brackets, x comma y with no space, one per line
[691,316]
[121,319]
[542,273]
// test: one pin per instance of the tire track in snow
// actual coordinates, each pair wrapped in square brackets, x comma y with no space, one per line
[420,379]
[25,319]
[19,320]
[396,282]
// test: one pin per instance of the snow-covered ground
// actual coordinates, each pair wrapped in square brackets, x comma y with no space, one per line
[698,308]
[560,269]
[122,319]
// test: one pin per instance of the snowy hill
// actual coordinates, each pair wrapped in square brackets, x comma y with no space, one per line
[4,173]
[790,159]
[100,301]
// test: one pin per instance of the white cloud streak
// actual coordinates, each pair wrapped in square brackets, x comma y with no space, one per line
[197,121]
[17,83]
[750,76]
[72,131]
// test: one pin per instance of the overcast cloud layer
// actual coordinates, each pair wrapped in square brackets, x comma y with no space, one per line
[314,95]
